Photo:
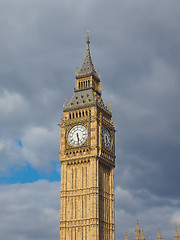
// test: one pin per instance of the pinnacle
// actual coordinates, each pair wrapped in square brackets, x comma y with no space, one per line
[87,67]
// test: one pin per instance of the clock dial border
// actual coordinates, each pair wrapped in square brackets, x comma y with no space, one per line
[111,138]
[81,132]
[69,126]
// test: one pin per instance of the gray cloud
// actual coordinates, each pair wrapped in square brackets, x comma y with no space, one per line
[29,211]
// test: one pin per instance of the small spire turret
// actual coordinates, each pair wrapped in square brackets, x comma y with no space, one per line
[176,235]
[127,237]
[159,237]
[137,231]
[142,236]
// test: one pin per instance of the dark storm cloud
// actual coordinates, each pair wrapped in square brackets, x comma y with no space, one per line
[135,44]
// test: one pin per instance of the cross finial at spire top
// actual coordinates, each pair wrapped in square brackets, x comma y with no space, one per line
[88,40]
[87,37]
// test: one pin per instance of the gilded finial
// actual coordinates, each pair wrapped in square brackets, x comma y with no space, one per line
[87,37]
[65,100]
[110,107]
[88,42]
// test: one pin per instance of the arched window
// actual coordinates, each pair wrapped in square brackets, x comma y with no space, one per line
[76,114]
[79,114]
[70,116]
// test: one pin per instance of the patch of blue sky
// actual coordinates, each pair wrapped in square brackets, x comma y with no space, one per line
[28,174]
[19,143]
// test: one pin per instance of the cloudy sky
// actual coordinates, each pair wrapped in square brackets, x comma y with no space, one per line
[135,45]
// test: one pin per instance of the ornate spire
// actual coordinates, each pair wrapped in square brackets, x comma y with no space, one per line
[142,236]
[137,231]
[176,235]
[87,68]
[159,237]
[127,237]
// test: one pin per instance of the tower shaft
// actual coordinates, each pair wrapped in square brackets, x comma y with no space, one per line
[87,162]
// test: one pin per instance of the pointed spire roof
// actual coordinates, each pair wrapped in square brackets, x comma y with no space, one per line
[159,237]
[176,235]
[137,227]
[87,68]
[137,231]
[142,236]
[127,237]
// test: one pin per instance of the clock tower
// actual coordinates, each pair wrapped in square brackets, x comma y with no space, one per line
[87,157]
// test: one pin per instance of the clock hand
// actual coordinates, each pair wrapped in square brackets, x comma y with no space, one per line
[77,136]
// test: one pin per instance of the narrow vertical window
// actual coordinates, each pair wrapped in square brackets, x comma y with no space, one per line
[72,210]
[86,207]
[72,178]
[82,177]
[75,178]
[75,209]
[82,208]
[86,176]
[71,234]
[86,234]
[79,85]
[70,116]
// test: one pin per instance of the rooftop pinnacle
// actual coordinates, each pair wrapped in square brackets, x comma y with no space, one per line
[176,236]
[87,67]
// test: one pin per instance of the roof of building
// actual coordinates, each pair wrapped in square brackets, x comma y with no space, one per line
[87,68]
[85,98]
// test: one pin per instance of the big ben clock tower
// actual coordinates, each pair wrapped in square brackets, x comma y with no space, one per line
[87,157]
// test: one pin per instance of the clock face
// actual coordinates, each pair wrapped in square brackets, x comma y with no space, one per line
[77,135]
[106,138]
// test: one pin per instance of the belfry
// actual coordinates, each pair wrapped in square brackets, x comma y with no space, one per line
[87,157]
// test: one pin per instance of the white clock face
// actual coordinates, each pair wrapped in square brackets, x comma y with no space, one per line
[77,135]
[106,138]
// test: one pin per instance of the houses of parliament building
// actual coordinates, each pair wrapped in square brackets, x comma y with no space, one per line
[87,157]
